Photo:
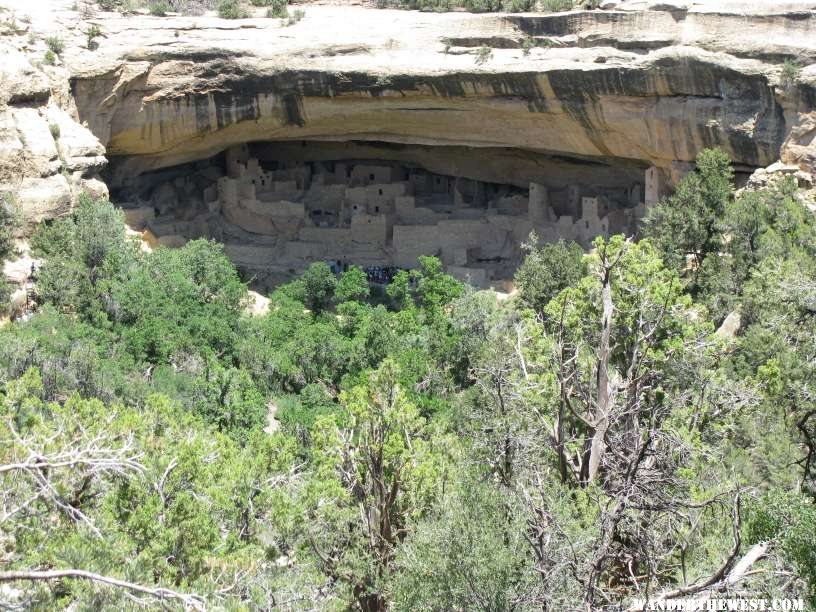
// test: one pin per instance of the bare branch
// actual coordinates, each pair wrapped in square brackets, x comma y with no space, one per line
[193,602]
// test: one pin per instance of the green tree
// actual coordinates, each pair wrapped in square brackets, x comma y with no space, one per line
[86,255]
[318,285]
[435,288]
[9,225]
[466,555]
[5,296]
[290,348]
[73,356]
[180,300]
[375,464]
[231,9]
[687,224]
[352,286]
[298,414]
[399,290]
[548,269]
[227,398]
[788,520]
[151,496]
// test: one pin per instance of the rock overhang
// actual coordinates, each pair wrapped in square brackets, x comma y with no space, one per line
[634,87]
[569,124]
[647,87]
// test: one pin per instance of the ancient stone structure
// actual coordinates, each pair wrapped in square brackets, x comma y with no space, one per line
[371,213]
[343,138]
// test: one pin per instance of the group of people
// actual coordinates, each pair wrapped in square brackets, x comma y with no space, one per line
[380,275]
[377,275]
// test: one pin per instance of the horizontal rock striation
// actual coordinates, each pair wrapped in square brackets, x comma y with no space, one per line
[645,84]
[47,158]
[646,87]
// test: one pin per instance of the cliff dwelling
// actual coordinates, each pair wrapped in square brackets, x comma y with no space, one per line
[301,143]
[236,372]
[278,206]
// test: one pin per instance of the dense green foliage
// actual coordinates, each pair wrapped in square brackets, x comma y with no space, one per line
[475,6]
[231,9]
[547,270]
[275,8]
[428,447]
[158,8]
[9,224]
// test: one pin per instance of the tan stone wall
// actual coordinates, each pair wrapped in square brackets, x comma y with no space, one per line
[518,228]
[488,238]
[333,236]
[305,251]
[325,197]
[539,207]
[371,228]
[237,158]
[408,213]
[252,255]
[368,174]
[655,185]
[411,241]
[381,196]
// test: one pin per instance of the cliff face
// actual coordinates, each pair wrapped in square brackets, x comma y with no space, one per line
[648,86]
[47,158]
[626,86]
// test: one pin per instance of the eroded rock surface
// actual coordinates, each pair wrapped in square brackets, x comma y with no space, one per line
[47,157]
[584,98]
[646,81]
[654,86]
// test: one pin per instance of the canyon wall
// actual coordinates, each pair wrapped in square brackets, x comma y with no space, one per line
[580,98]
[653,87]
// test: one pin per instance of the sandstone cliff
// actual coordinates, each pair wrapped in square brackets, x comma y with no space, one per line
[47,158]
[644,83]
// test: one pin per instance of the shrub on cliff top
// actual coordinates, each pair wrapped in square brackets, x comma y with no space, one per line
[9,224]
[483,55]
[277,8]
[5,297]
[231,9]
[556,5]
[518,6]
[476,6]
[294,17]
[482,6]
[55,44]
[790,72]
[93,31]
[159,8]
[437,6]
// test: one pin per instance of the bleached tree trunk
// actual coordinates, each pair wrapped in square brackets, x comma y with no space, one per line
[601,415]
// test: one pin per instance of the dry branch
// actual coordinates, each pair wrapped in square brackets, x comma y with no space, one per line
[189,601]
